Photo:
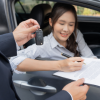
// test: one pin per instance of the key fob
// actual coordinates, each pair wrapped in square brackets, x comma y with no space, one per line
[39,37]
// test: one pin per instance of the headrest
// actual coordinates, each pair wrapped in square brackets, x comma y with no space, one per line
[41,13]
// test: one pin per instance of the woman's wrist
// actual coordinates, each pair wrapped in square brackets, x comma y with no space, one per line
[60,65]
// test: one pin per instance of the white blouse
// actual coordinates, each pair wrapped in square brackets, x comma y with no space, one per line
[50,49]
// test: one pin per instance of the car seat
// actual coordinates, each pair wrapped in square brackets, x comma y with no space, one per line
[93,41]
[41,13]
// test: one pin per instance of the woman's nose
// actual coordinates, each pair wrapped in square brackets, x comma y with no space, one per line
[65,28]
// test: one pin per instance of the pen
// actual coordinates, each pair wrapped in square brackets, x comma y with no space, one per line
[68,56]
[65,55]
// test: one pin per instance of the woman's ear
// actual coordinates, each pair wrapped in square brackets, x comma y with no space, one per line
[50,22]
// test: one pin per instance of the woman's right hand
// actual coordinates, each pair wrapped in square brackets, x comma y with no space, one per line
[71,64]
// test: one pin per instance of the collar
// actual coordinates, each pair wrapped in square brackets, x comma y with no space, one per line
[53,41]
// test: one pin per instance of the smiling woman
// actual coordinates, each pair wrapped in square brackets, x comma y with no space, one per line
[53,50]
[64,21]
[64,38]
[89,27]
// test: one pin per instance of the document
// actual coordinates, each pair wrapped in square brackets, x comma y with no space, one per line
[90,72]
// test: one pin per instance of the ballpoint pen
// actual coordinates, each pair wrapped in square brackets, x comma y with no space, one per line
[65,55]
[68,56]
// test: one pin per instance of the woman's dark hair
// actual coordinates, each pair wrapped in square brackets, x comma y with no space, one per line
[58,10]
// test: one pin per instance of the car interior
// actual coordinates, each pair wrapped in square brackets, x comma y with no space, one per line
[41,12]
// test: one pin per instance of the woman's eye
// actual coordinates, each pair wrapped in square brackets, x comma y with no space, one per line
[71,25]
[61,23]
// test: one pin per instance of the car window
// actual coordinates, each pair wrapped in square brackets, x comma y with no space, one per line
[86,11]
[28,5]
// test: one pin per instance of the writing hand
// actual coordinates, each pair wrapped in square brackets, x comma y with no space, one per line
[71,64]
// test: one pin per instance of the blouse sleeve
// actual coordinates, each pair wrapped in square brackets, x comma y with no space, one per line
[32,52]
[83,48]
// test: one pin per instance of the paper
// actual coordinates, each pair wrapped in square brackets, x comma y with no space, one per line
[90,71]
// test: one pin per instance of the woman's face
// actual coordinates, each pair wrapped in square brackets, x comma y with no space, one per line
[64,27]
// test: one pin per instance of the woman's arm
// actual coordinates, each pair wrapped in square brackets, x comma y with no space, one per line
[24,61]
[68,65]
[30,52]
[82,46]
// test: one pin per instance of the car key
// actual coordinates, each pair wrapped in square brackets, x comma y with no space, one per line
[39,37]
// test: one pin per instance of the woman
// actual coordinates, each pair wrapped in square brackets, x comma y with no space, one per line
[64,38]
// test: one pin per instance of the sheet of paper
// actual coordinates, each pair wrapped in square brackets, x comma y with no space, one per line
[90,71]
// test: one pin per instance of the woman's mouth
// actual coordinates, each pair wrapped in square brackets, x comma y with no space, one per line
[64,34]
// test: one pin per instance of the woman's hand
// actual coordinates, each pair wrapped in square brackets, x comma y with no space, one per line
[71,64]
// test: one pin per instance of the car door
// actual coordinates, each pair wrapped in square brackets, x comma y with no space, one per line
[39,85]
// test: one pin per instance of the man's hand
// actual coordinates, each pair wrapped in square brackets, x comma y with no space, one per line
[23,32]
[78,92]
